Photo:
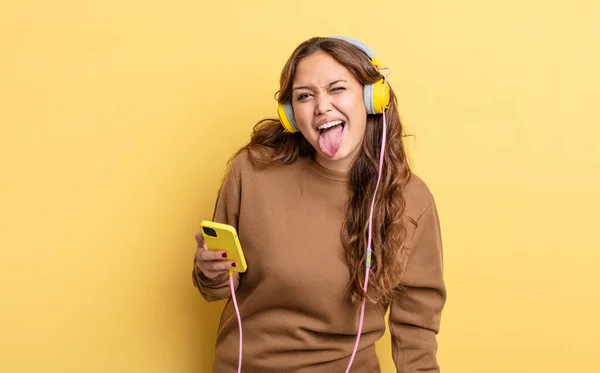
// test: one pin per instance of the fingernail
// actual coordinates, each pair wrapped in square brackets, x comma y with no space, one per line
[233,264]
[224,255]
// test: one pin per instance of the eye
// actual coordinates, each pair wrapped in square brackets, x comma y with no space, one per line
[303,96]
[338,89]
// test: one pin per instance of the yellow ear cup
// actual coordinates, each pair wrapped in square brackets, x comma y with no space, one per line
[286,122]
[381,96]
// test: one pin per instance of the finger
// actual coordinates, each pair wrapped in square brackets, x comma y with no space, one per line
[211,255]
[199,251]
[217,266]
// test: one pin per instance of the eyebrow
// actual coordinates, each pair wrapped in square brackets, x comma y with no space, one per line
[312,87]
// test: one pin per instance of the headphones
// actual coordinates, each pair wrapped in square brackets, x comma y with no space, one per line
[376,95]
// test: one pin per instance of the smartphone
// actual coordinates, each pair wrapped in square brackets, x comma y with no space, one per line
[223,237]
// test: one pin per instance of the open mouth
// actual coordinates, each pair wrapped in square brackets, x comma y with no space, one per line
[328,125]
[331,136]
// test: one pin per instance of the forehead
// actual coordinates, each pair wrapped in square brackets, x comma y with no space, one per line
[320,68]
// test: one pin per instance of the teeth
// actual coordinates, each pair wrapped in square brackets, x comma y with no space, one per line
[330,124]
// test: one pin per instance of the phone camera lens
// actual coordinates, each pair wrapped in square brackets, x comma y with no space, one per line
[209,231]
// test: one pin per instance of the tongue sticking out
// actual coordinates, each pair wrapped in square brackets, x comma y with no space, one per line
[331,139]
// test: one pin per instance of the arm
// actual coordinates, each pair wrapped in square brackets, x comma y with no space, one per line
[226,211]
[415,311]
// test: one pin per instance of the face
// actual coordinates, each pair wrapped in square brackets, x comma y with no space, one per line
[329,109]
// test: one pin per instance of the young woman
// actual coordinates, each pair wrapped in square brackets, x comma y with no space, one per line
[318,218]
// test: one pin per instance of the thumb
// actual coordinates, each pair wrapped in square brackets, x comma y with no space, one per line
[199,239]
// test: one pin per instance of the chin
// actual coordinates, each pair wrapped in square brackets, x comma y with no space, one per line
[341,155]
[349,151]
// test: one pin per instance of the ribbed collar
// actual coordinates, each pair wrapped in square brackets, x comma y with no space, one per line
[326,173]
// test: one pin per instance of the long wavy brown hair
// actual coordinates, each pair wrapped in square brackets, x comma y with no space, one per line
[271,145]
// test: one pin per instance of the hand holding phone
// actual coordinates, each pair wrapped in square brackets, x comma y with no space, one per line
[218,250]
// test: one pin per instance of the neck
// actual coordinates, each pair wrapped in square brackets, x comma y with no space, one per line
[339,165]
[342,165]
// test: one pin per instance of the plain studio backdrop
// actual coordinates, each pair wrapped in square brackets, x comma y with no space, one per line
[117,119]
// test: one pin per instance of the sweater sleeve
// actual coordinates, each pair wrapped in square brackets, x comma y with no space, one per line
[226,211]
[415,311]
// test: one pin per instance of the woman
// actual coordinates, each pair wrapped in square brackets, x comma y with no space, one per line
[300,196]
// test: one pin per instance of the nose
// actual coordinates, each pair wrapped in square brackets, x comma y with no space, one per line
[323,104]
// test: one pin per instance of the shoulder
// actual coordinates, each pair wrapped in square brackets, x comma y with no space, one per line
[240,161]
[418,197]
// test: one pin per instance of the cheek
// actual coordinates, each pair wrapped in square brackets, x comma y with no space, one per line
[358,116]
[301,113]
[353,104]
[304,118]
[355,109]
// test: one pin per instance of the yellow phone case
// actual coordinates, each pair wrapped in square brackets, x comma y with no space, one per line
[223,237]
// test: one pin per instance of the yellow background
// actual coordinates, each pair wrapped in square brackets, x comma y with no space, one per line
[117,118]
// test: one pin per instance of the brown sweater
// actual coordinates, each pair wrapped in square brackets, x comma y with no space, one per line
[295,315]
